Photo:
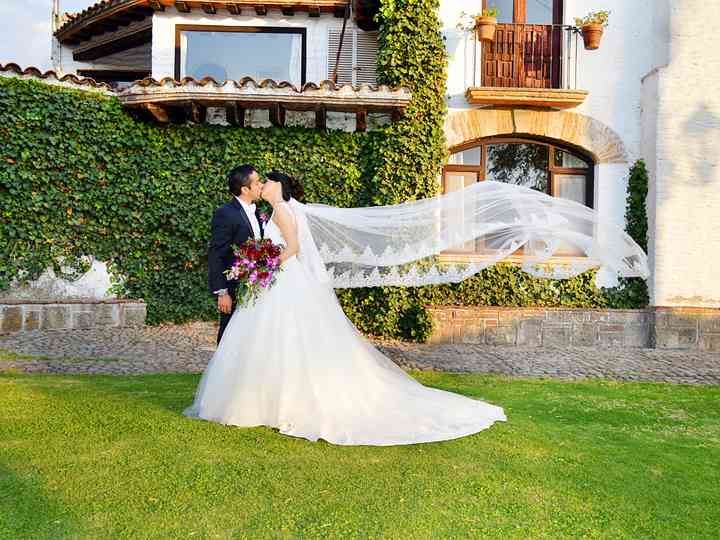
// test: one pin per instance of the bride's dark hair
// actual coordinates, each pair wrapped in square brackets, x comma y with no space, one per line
[291,187]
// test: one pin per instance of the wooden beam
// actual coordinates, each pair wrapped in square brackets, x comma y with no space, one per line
[231,114]
[109,25]
[209,9]
[159,113]
[361,120]
[182,7]
[198,113]
[261,10]
[121,20]
[123,43]
[288,11]
[235,114]
[321,118]
[277,115]
[139,15]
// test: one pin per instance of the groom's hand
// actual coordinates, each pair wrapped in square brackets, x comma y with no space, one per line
[224,303]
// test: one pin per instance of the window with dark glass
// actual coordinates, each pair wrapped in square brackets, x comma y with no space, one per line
[559,172]
[231,53]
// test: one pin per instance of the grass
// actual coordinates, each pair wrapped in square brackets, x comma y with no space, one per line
[112,457]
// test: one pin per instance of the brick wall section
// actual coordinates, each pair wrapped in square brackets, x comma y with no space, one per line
[686,328]
[541,327]
[662,328]
[27,316]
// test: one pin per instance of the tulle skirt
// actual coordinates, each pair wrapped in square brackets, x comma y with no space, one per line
[293,361]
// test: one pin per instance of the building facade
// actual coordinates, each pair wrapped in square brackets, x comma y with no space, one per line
[532,106]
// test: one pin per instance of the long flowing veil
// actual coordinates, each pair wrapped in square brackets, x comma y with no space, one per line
[451,237]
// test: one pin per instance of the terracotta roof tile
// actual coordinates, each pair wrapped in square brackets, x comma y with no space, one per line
[265,83]
[34,72]
[245,82]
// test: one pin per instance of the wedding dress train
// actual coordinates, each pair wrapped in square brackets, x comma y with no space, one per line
[294,361]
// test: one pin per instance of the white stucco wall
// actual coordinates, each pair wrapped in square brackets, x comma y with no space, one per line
[136,58]
[163,46]
[93,285]
[612,76]
[684,197]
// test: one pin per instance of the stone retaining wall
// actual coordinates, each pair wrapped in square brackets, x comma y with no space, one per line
[686,328]
[662,328]
[16,316]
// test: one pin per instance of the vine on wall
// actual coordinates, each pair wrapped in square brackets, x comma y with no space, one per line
[79,176]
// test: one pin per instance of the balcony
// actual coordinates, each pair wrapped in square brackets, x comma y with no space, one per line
[527,65]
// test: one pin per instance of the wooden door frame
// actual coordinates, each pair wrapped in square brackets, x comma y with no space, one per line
[520,11]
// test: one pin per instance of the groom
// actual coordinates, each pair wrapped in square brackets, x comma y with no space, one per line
[232,223]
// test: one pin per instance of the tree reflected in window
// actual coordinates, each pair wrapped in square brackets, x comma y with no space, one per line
[520,164]
[557,171]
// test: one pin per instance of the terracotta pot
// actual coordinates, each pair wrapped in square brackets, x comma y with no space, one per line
[485,28]
[592,34]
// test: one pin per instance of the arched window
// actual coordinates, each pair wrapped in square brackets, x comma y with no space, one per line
[557,171]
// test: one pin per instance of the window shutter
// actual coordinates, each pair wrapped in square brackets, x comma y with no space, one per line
[345,65]
[366,53]
[358,59]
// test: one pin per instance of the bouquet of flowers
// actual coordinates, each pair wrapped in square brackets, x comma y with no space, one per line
[256,265]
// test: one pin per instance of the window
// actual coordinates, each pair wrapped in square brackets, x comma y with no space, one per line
[527,11]
[358,57]
[231,53]
[537,165]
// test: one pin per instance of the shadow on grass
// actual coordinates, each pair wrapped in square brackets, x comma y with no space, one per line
[29,512]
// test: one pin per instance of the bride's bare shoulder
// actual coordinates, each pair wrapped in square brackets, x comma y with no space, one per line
[283,214]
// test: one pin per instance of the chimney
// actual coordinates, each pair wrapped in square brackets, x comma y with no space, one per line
[55,47]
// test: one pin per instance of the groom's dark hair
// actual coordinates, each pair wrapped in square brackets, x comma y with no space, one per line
[239,178]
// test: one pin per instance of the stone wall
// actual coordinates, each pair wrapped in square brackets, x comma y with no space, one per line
[541,327]
[26,315]
[661,328]
[686,328]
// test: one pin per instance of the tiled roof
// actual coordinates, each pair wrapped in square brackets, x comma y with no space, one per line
[267,90]
[268,83]
[14,70]
[111,12]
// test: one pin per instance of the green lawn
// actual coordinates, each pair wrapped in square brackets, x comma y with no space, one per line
[111,457]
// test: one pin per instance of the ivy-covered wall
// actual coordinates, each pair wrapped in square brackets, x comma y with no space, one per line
[79,176]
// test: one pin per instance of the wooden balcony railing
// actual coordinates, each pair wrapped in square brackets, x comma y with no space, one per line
[524,60]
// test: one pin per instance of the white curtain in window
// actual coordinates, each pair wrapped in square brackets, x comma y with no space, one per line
[183,54]
[296,60]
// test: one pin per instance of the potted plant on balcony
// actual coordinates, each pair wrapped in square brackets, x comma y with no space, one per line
[592,27]
[483,24]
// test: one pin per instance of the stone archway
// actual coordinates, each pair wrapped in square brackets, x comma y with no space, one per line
[592,136]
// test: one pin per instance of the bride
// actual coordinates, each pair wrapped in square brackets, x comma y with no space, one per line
[293,360]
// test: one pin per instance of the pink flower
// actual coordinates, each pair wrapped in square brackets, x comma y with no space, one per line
[264,217]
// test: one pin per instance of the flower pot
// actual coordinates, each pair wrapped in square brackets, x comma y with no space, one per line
[485,28]
[592,34]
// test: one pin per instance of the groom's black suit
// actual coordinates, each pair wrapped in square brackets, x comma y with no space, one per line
[230,225]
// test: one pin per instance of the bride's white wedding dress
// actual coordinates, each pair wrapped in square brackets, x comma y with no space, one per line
[294,361]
